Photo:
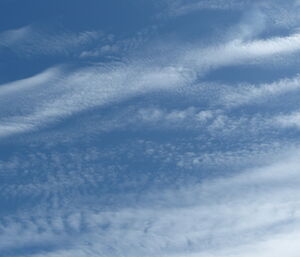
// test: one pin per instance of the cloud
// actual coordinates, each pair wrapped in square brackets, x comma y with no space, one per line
[222,179]
[240,52]
[117,48]
[31,41]
[290,120]
[87,88]
[90,87]
[69,92]
[104,50]
[220,217]
[29,83]
[247,93]
[183,7]
[159,116]
[277,14]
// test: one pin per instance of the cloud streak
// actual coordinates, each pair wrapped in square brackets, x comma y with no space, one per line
[224,216]
[88,88]
[142,157]
[91,87]
[238,52]
[31,41]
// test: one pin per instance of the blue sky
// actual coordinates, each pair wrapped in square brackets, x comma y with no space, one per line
[149,128]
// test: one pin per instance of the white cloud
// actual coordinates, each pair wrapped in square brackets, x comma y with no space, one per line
[91,87]
[240,52]
[290,120]
[112,47]
[236,214]
[183,7]
[247,93]
[189,115]
[87,88]
[30,83]
[221,217]
[71,92]
[277,14]
[29,40]
[104,50]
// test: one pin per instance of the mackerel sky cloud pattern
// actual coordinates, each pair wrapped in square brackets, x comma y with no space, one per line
[149,128]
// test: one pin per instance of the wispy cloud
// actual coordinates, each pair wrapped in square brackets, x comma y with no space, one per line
[247,93]
[277,13]
[246,211]
[91,87]
[290,120]
[161,163]
[29,83]
[32,41]
[183,7]
[241,52]
[118,48]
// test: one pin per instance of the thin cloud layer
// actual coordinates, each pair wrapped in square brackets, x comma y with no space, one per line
[98,86]
[238,211]
[31,41]
[168,129]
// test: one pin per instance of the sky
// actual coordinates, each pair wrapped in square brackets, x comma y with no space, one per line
[149,128]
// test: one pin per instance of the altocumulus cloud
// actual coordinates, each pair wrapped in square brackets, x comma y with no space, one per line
[90,87]
[143,135]
[246,212]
